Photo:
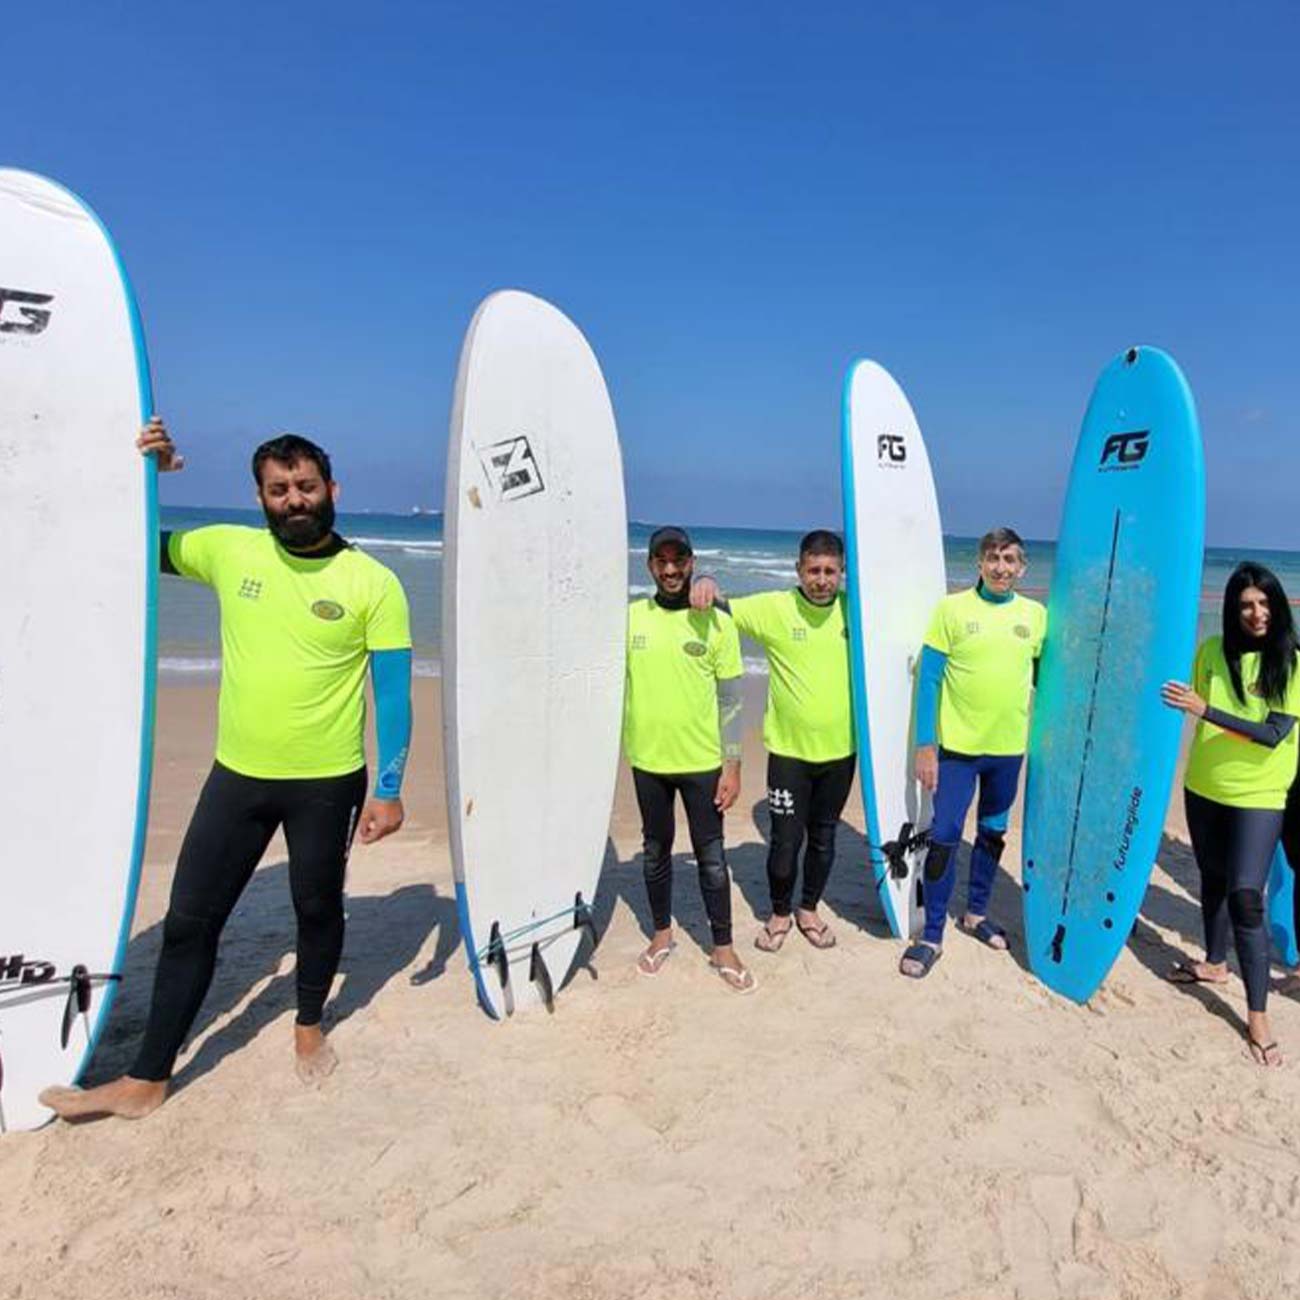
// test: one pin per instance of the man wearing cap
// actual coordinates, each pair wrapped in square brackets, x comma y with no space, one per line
[681,735]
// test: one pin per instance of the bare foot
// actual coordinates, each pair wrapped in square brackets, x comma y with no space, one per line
[127,1098]
[314,1058]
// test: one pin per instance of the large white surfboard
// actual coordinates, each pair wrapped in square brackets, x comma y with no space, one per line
[79,533]
[895,580]
[534,631]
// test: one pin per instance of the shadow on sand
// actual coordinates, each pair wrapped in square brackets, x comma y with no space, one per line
[385,934]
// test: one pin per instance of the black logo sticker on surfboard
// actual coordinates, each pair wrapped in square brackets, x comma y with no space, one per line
[1125,450]
[512,468]
[18,969]
[891,450]
[22,312]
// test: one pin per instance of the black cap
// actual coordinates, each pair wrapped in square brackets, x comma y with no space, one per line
[670,536]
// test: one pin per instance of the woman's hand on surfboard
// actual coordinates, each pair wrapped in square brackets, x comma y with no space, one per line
[154,440]
[1178,695]
[927,767]
[728,790]
[380,817]
[704,591]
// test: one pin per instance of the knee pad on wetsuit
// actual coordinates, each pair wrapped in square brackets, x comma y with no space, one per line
[936,861]
[992,842]
[180,928]
[1246,908]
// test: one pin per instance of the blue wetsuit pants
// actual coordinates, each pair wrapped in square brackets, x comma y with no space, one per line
[996,776]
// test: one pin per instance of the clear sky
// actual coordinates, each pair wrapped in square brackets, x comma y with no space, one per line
[732,201]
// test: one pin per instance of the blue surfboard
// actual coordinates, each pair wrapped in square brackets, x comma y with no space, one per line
[1122,612]
[1281,909]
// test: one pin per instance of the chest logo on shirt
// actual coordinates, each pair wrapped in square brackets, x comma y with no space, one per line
[329,610]
[695,648]
[638,641]
[1125,450]
[250,588]
[29,314]
[798,634]
[512,469]
[1021,631]
[972,629]
[891,450]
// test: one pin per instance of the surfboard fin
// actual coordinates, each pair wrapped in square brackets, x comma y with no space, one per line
[540,976]
[496,955]
[78,1003]
[583,919]
[896,851]
[1058,942]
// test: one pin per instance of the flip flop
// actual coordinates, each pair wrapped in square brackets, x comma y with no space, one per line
[1259,1052]
[924,955]
[650,963]
[1185,972]
[738,981]
[769,940]
[820,935]
[986,932]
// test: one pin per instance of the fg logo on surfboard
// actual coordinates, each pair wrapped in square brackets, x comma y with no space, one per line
[891,450]
[22,312]
[512,469]
[1125,450]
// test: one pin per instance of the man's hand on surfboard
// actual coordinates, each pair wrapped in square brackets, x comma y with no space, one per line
[380,817]
[154,440]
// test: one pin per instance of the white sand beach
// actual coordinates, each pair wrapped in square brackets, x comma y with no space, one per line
[843,1132]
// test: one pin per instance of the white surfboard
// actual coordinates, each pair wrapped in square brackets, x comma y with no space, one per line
[534,626]
[895,580]
[79,532]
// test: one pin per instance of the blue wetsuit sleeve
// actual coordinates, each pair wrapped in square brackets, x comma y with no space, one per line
[929,683]
[1270,733]
[390,675]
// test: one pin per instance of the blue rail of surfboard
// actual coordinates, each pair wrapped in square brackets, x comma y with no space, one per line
[1281,909]
[149,468]
[861,713]
[1121,620]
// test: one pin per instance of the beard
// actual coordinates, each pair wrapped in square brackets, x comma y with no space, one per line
[303,530]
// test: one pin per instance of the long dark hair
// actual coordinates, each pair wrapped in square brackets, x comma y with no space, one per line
[1277,649]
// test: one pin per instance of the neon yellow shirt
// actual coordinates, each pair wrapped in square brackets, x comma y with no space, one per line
[991,648]
[295,635]
[809,705]
[675,659]
[1228,767]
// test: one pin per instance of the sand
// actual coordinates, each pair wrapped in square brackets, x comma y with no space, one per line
[842,1132]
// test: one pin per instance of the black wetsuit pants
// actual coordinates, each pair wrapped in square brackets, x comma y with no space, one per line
[232,825]
[1234,851]
[804,799]
[656,793]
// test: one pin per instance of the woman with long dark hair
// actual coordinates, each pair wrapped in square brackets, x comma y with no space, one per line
[1245,691]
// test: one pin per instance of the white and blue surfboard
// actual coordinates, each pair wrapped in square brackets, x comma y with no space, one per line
[1122,616]
[895,580]
[79,532]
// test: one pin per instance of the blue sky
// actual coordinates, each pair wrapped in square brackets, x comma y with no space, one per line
[733,202]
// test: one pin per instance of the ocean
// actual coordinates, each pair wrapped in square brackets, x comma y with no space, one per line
[743,560]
